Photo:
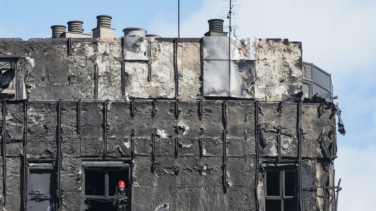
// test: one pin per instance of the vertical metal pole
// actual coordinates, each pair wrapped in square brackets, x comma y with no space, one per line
[96,81]
[69,46]
[229,49]
[153,151]
[224,116]
[176,147]
[122,79]
[58,157]
[257,128]
[132,155]
[3,129]
[79,116]
[176,71]
[105,105]
[25,173]
[300,156]
[178,18]
[279,144]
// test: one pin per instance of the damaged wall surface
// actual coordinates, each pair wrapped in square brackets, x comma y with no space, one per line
[189,124]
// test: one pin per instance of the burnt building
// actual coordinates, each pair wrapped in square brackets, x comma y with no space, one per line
[210,123]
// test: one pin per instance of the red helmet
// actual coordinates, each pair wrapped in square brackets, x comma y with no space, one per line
[121,183]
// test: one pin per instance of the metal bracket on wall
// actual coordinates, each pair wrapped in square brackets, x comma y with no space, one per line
[176,71]
[261,135]
[153,111]
[324,147]
[224,118]
[69,46]
[122,79]
[176,147]
[279,144]
[132,108]
[200,146]
[325,187]
[96,81]
[132,145]
[200,111]
[153,151]
[224,165]
[299,135]
[257,136]
[339,188]
[132,153]
[320,109]
[79,116]
[224,114]
[149,71]
[3,139]
[59,154]
[26,105]
[280,107]
[105,129]
[177,112]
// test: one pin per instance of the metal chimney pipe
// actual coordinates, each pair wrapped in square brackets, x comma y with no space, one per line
[104,21]
[58,30]
[216,25]
[75,26]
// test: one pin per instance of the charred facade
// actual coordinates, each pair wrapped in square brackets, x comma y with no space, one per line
[213,123]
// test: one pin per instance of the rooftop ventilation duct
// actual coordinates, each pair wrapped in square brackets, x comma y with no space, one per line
[104,21]
[58,31]
[104,30]
[216,28]
[75,26]
[132,31]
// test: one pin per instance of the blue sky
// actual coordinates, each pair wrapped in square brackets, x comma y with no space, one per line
[337,35]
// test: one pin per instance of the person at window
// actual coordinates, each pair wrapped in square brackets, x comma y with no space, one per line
[120,202]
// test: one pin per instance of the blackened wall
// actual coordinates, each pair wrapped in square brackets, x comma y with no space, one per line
[87,103]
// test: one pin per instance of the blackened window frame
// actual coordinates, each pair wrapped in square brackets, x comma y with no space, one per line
[106,167]
[15,59]
[281,196]
[41,167]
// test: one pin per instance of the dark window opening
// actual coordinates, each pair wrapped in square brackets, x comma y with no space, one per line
[290,183]
[280,190]
[273,205]
[41,187]
[101,186]
[94,182]
[7,75]
[273,187]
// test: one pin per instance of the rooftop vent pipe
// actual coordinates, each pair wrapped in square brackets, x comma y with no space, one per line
[104,21]
[58,30]
[216,25]
[216,28]
[75,26]
[134,32]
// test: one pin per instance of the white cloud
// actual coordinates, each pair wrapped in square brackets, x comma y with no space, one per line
[357,169]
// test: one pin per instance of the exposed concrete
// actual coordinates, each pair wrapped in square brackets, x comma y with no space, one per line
[278,65]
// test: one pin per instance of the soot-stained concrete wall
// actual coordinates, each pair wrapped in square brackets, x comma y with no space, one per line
[185,170]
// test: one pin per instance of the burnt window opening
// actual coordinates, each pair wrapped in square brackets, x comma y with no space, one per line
[41,187]
[100,185]
[281,190]
[7,74]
